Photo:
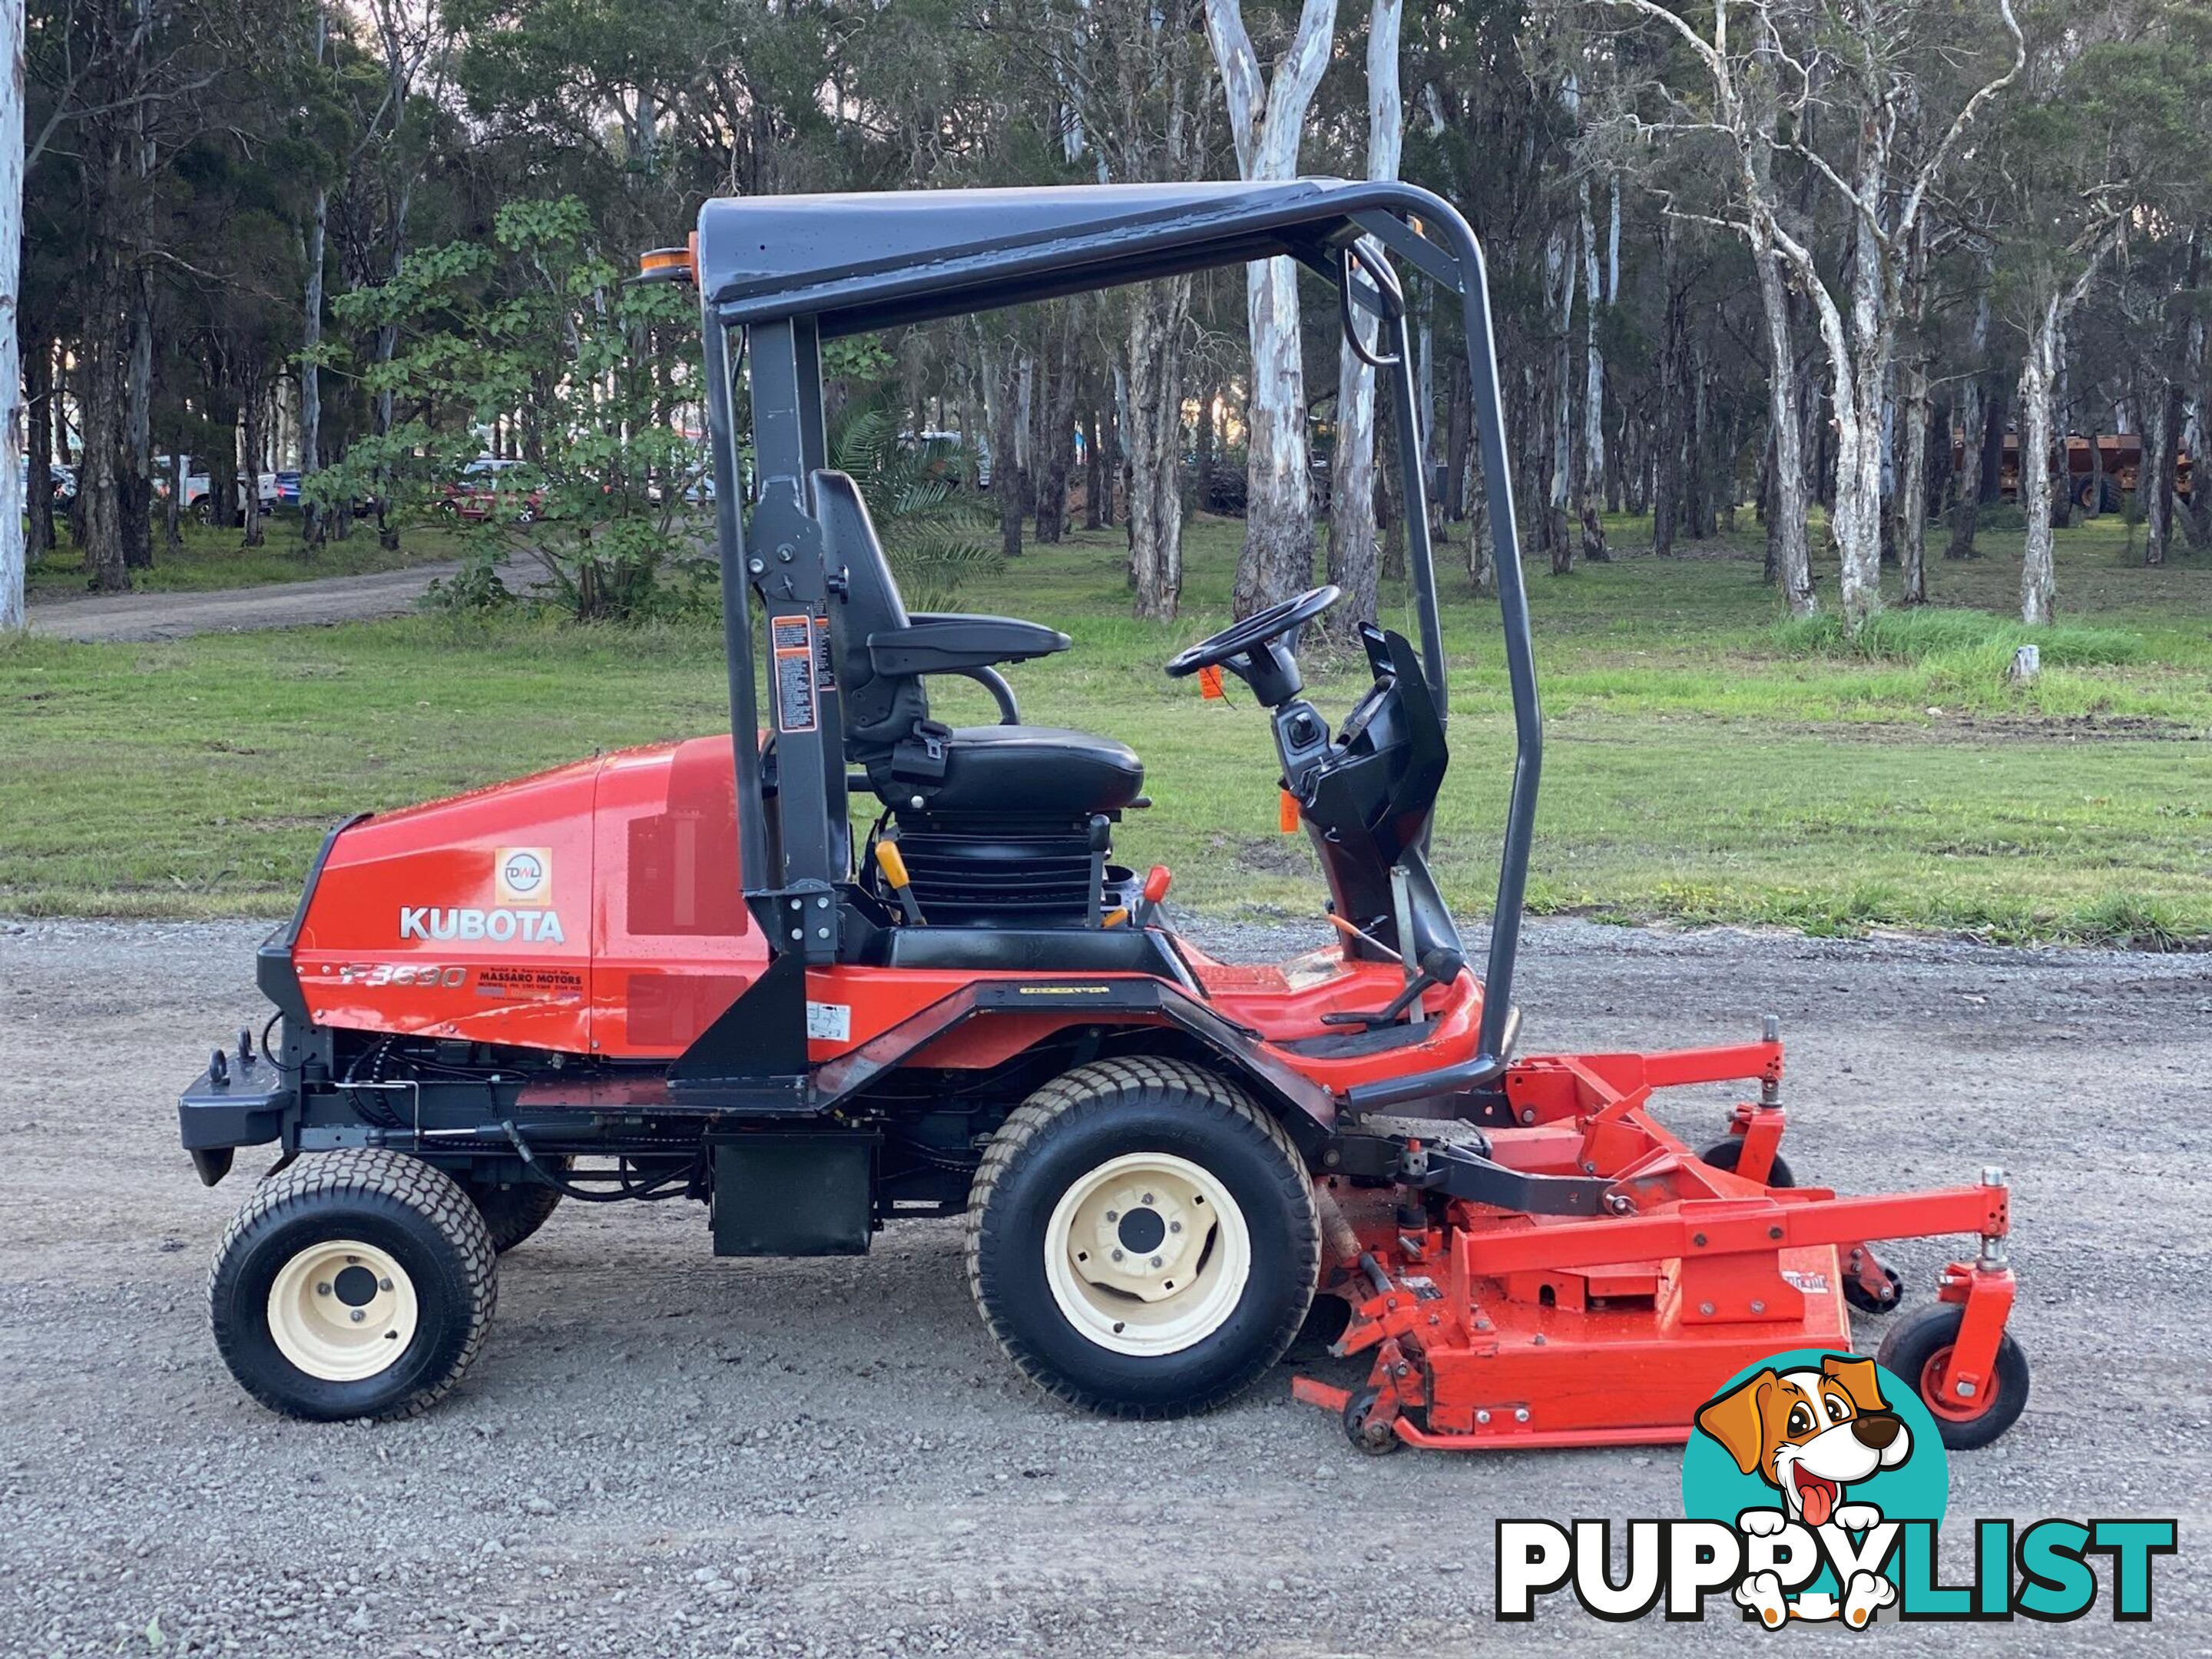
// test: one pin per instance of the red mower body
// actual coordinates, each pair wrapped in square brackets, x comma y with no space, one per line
[590,910]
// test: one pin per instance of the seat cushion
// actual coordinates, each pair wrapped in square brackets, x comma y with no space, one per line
[1025,772]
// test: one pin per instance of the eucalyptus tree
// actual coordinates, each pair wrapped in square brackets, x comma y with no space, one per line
[1353,564]
[1266,119]
[1884,70]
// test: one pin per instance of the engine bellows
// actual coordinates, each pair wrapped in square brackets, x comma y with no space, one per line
[1002,874]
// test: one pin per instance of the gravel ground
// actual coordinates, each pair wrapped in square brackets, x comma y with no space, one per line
[235,609]
[661,1453]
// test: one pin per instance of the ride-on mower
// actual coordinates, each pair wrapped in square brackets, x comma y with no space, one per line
[682,972]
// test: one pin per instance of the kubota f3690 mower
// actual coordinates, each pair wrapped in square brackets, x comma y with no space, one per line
[672,973]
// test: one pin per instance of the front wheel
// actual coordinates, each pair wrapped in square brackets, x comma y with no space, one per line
[355,1283]
[1142,1240]
[1727,1154]
[1918,1350]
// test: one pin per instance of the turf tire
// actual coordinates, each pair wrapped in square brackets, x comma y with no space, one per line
[1911,1349]
[419,1215]
[514,1212]
[1063,1133]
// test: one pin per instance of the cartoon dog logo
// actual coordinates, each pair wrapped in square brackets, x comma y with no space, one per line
[1810,1434]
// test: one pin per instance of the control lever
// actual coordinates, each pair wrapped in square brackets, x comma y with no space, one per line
[1148,904]
[1440,965]
[1101,843]
[892,863]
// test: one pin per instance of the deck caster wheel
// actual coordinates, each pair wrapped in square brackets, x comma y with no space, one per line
[1865,1300]
[1918,1350]
[1142,1240]
[352,1284]
[1724,1154]
[1367,1433]
[514,1212]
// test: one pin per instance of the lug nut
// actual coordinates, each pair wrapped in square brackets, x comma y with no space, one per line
[1113,1216]
[1156,1262]
[322,1290]
[1174,1226]
[357,1315]
[1117,1255]
[383,1284]
[1147,1199]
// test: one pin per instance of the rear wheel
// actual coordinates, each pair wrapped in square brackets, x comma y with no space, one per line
[1918,1350]
[1142,1240]
[355,1283]
[513,1211]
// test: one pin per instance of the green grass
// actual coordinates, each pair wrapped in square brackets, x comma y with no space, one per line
[212,559]
[1704,762]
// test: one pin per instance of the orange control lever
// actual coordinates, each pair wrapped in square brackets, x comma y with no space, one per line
[1157,880]
[892,863]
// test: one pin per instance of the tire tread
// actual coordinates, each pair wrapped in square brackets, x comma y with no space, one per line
[1099,1086]
[423,1188]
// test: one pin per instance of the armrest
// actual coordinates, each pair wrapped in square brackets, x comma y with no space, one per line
[947,645]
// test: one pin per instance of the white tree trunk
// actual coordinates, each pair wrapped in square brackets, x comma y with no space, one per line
[1787,505]
[1267,118]
[12,502]
[1912,479]
[311,383]
[1859,419]
[1562,272]
[1593,495]
[2037,377]
[1154,430]
[1353,561]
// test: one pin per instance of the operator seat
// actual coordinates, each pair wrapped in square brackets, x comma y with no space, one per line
[1008,772]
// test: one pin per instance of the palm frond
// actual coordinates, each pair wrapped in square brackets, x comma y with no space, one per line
[933,530]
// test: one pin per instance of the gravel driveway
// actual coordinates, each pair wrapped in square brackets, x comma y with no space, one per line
[236,610]
[662,1453]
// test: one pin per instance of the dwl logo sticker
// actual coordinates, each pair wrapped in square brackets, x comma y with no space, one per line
[524,875]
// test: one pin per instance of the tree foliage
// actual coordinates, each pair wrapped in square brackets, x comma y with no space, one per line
[1798,273]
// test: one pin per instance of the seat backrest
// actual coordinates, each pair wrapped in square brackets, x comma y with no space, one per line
[879,708]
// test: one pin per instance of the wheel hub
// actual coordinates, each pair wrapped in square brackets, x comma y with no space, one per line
[342,1311]
[1147,1254]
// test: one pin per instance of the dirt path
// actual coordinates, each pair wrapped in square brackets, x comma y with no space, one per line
[236,610]
[662,1453]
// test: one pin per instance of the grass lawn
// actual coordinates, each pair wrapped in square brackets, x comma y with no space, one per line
[1703,762]
[213,559]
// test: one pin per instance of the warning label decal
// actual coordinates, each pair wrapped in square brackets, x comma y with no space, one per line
[792,639]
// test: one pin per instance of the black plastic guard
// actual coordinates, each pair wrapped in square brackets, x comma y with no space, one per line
[762,1035]
[245,1109]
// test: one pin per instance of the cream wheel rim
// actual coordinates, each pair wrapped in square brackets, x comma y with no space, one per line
[342,1310]
[1147,1254]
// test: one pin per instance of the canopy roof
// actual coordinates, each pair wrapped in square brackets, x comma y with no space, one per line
[873,260]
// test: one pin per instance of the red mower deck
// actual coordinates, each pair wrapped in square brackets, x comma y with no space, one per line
[1498,1329]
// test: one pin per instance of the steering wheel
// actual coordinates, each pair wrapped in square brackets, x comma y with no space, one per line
[1240,639]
